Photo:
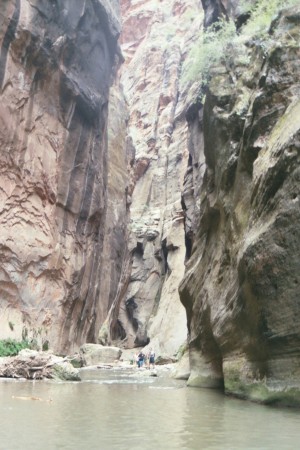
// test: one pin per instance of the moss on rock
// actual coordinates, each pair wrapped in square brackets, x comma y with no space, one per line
[65,372]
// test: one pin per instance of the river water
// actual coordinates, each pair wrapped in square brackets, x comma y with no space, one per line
[111,410]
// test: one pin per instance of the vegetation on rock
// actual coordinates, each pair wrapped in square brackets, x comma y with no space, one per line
[223,44]
[262,14]
[11,347]
[239,290]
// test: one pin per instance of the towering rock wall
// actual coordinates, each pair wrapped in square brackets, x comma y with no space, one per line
[56,64]
[155,40]
[241,287]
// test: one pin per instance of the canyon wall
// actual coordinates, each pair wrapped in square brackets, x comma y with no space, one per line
[156,37]
[112,197]
[56,65]
[241,286]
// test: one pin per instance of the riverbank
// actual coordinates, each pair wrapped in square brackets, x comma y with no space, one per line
[39,365]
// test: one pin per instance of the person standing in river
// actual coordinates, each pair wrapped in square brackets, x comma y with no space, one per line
[151,358]
[141,358]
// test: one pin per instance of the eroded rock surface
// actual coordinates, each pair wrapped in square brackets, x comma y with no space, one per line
[241,287]
[93,354]
[155,40]
[56,65]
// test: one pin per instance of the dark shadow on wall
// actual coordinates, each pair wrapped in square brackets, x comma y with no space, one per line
[8,38]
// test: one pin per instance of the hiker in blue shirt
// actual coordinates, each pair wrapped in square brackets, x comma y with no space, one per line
[141,358]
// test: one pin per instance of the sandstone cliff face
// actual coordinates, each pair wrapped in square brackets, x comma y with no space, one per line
[155,39]
[241,287]
[56,65]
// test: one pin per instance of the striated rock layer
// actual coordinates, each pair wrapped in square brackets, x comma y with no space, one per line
[155,40]
[56,64]
[241,287]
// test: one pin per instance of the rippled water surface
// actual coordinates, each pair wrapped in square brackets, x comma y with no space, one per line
[112,410]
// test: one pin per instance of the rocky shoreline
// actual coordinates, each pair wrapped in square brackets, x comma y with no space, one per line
[44,365]
[41,365]
[38,365]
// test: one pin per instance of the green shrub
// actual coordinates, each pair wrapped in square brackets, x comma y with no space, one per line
[209,50]
[11,347]
[262,13]
[221,44]
[217,45]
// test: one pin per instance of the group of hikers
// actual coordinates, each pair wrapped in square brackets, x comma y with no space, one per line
[145,359]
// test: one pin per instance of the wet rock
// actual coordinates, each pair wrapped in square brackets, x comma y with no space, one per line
[241,287]
[65,371]
[183,371]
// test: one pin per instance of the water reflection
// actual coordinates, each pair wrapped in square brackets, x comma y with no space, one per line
[227,423]
[112,412]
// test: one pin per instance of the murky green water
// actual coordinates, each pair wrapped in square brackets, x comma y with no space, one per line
[118,412]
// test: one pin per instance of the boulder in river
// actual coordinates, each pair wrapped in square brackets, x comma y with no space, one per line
[93,354]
